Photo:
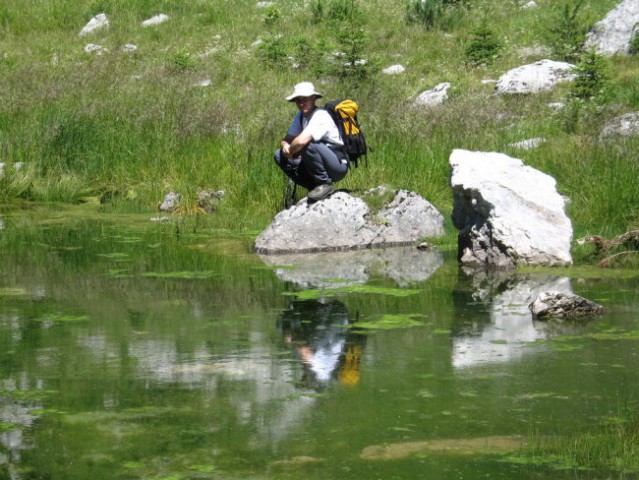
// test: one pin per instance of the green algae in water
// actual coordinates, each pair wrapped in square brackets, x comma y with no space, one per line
[186,275]
[389,322]
[59,318]
[115,256]
[13,292]
[202,468]
[314,294]
[8,427]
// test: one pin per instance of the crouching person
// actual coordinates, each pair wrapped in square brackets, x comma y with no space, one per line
[312,152]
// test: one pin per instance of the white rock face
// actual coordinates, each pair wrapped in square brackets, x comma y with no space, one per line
[344,222]
[96,23]
[508,214]
[624,126]
[613,34]
[534,78]
[528,144]
[93,48]
[394,70]
[433,97]
[155,20]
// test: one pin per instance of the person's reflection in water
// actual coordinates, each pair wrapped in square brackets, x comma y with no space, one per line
[319,333]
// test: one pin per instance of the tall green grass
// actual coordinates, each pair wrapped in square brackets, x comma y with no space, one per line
[132,126]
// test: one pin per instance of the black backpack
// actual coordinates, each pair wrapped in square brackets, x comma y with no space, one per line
[344,114]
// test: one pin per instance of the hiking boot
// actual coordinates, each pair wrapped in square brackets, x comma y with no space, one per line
[320,192]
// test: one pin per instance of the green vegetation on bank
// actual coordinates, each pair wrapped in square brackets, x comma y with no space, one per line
[133,125]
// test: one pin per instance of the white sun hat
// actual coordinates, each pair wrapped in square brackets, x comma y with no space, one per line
[303,89]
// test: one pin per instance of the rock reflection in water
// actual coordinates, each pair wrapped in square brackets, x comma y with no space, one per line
[499,332]
[404,265]
[319,334]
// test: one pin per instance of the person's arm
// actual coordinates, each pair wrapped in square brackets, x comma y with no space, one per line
[285,145]
[299,143]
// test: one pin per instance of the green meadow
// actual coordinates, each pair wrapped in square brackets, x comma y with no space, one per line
[198,102]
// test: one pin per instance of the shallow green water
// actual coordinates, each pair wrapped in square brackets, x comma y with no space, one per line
[139,350]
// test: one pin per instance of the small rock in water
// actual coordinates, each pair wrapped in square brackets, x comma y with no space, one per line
[563,305]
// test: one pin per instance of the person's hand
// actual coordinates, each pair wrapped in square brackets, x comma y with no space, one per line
[286,150]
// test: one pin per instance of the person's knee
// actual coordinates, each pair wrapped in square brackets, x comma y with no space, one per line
[277,156]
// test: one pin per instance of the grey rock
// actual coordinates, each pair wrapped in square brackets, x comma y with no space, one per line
[564,305]
[155,20]
[626,125]
[96,23]
[508,214]
[345,222]
[209,200]
[613,34]
[536,77]
[394,70]
[528,144]
[433,97]
[170,202]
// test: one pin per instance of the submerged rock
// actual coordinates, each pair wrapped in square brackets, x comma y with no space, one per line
[455,446]
[564,305]
[345,222]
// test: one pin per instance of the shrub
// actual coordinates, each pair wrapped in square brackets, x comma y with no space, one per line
[352,41]
[591,81]
[272,15]
[273,50]
[568,32]
[424,12]
[181,61]
[343,10]
[483,47]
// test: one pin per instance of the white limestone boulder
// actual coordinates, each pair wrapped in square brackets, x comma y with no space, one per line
[394,70]
[535,77]
[155,20]
[528,144]
[98,22]
[507,214]
[345,222]
[626,125]
[613,34]
[433,97]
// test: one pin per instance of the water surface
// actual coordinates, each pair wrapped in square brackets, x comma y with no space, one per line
[139,350]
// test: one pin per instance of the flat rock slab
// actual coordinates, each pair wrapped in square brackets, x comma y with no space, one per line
[345,222]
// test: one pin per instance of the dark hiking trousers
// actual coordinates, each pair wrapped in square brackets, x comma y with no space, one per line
[318,165]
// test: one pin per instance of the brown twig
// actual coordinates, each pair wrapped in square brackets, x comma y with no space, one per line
[606,261]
